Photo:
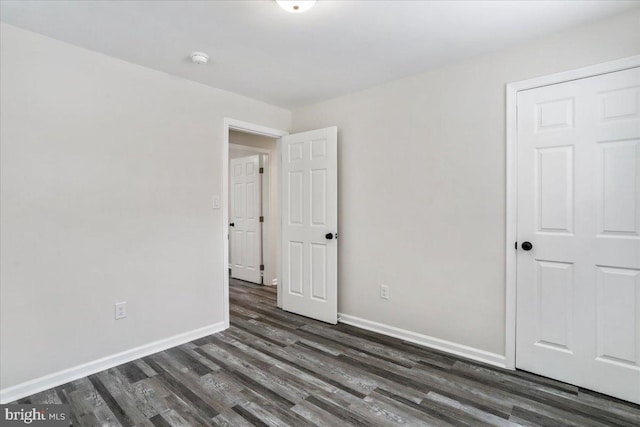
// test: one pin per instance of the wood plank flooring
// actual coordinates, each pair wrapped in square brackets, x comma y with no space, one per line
[272,368]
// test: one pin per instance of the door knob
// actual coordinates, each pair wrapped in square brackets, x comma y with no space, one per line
[527,246]
[233,224]
[329,236]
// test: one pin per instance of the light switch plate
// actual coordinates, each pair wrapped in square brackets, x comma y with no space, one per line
[121,310]
[216,201]
[384,291]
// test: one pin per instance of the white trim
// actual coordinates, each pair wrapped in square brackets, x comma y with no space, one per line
[512,229]
[274,282]
[512,178]
[258,150]
[55,379]
[280,186]
[265,212]
[246,127]
[425,340]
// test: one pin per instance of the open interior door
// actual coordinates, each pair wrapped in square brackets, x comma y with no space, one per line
[309,210]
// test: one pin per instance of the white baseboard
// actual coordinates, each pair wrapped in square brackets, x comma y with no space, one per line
[55,379]
[425,340]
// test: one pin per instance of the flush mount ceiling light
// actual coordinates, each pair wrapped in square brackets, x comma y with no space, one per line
[296,6]
[199,58]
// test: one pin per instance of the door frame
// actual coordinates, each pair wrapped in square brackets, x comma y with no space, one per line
[241,126]
[512,90]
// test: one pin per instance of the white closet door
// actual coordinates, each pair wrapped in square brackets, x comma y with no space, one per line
[578,287]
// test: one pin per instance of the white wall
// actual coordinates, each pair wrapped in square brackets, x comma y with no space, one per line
[270,209]
[422,185]
[108,171]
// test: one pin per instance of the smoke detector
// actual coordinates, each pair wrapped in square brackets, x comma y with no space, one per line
[296,6]
[199,58]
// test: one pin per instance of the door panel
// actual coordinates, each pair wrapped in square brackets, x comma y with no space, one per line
[555,189]
[578,292]
[555,305]
[246,233]
[618,202]
[618,306]
[319,272]
[295,197]
[296,268]
[319,197]
[310,212]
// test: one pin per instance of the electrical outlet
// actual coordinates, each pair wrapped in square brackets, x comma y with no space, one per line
[121,310]
[384,291]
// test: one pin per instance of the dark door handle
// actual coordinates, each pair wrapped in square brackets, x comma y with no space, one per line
[527,246]
[233,224]
[329,236]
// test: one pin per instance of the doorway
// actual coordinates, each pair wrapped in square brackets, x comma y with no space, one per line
[253,208]
[247,128]
[306,262]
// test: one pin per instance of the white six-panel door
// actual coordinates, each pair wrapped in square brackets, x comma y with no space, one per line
[578,288]
[309,209]
[244,228]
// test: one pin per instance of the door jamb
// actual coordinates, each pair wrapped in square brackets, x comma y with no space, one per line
[512,90]
[233,124]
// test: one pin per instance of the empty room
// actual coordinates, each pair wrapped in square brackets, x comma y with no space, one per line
[319,213]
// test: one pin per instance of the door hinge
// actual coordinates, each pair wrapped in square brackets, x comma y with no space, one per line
[515,245]
[261,267]
[261,170]
[261,219]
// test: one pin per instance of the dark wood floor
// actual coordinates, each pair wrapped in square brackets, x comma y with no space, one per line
[272,368]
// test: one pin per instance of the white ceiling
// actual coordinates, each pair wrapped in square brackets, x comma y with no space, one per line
[261,51]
